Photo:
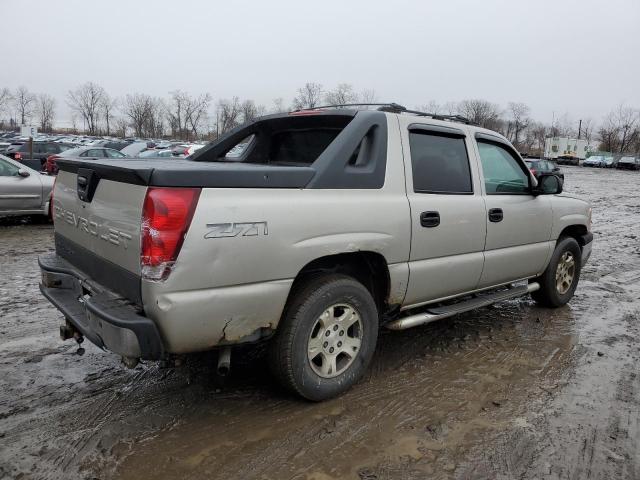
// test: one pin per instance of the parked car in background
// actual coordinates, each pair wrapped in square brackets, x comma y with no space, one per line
[629,163]
[23,190]
[82,153]
[186,149]
[568,160]
[599,161]
[156,154]
[539,167]
[134,149]
[41,150]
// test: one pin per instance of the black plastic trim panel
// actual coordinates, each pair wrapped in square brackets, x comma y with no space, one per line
[330,170]
[449,131]
[96,268]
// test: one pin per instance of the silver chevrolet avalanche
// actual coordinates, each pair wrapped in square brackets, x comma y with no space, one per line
[309,230]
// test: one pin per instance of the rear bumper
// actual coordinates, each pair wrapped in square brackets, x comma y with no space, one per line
[106,319]
[586,244]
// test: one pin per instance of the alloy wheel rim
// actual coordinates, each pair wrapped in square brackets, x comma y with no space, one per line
[335,340]
[565,272]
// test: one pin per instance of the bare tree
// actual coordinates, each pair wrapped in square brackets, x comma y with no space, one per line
[46,110]
[518,121]
[278,105]
[539,132]
[120,126]
[368,95]
[177,113]
[108,106]
[139,107]
[87,100]
[431,107]
[480,112]
[608,133]
[229,114]
[308,96]
[186,113]
[450,108]
[25,103]
[251,111]
[341,95]
[627,120]
[586,130]
[197,112]
[5,99]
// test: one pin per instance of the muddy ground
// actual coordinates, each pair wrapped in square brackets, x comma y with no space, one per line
[511,391]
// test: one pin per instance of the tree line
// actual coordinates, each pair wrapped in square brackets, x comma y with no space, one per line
[187,116]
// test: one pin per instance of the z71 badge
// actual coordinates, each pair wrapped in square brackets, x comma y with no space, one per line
[238,229]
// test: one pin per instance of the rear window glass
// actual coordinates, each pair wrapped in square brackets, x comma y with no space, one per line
[440,164]
[283,140]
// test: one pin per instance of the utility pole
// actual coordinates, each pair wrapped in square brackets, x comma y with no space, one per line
[579,128]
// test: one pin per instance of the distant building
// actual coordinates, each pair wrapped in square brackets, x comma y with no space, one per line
[555,147]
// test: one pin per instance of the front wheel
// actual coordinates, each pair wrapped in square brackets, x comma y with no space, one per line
[560,279]
[326,338]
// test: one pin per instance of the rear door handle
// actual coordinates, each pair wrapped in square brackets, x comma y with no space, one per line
[495,215]
[430,219]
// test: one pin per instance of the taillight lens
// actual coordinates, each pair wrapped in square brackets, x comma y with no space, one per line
[51,163]
[166,216]
[17,156]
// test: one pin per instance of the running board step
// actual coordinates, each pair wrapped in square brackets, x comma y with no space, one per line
[438,313]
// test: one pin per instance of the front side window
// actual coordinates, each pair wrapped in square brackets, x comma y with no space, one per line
[8,169]
[502,172]
[440,163]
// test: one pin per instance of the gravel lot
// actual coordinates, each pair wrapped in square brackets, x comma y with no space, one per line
[510,391]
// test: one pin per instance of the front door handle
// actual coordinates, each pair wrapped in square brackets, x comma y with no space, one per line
[430,219]
[495,215]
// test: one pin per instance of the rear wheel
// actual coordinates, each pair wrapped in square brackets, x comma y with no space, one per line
[326,338]
[560,279]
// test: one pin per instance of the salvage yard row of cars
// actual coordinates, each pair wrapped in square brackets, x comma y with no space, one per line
[27,171]
[46,150]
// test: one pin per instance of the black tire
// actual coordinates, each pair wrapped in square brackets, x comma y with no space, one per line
[550,294]
[289,348]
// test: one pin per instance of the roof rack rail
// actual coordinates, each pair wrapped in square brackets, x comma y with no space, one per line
[395,108]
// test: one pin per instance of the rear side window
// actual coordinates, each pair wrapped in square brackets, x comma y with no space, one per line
[440,163]
[284,141]
[300,147]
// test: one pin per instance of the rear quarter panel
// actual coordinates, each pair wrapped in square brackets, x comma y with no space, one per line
[234,279]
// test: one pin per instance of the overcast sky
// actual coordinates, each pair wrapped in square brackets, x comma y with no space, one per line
[580,57]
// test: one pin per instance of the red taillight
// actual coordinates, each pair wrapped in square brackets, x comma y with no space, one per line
[17,156]
[51,164]
[166,216]
[186,152]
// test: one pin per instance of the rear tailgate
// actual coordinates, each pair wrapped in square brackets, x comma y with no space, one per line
[97,228]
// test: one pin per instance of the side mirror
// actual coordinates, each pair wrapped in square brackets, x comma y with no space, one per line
[548,184]
[23,173]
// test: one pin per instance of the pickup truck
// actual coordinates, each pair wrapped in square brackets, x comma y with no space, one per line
[310,231]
